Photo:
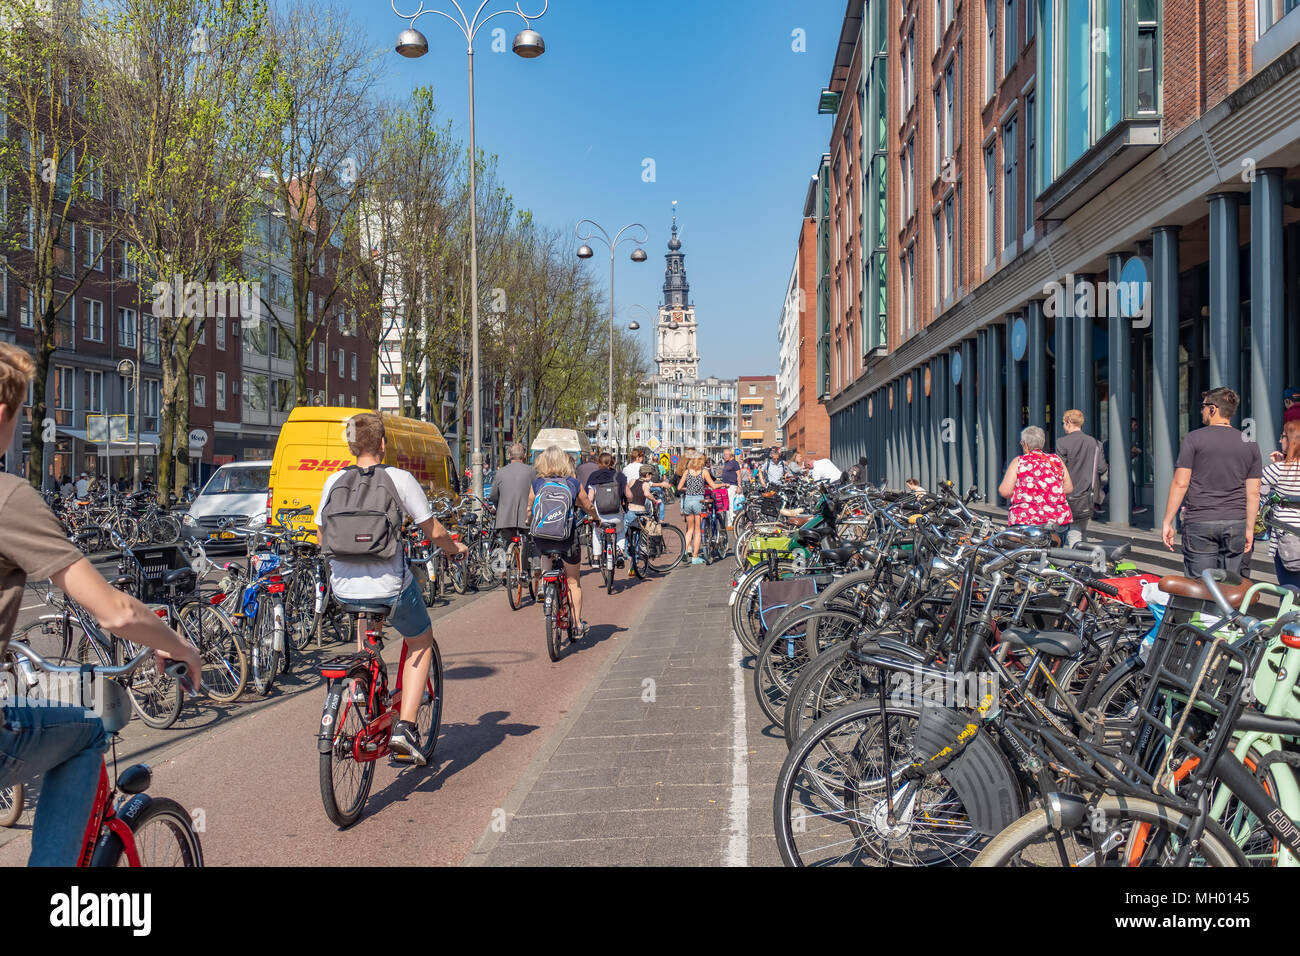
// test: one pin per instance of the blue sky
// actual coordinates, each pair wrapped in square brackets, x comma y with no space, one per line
[712,92]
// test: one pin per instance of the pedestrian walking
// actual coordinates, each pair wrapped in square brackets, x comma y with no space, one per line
[1036,484]
[633,468]
[774,470]
[1283,477]
[730,476]
[693,484]
[1086,462]
[1217,478]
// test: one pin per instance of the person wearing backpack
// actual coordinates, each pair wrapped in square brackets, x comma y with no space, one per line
[694,482]
[553,504]
[360,522]
[607,490]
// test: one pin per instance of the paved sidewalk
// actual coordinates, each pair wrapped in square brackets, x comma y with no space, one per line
[655,766]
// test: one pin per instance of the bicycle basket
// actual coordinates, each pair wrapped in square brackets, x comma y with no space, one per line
[1179,655]
[157,562]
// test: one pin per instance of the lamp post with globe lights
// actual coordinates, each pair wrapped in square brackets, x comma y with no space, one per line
[638,255]
[529,45]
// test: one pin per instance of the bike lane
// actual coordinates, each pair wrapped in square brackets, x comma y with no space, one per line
[252,780]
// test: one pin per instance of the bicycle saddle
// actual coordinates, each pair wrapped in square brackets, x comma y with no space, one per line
[839,553]
[1234,588]
[1051,643]
[364,607]
[171,577]
[812,537]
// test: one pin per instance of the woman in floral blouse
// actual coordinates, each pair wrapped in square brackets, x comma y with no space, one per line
[1036,484]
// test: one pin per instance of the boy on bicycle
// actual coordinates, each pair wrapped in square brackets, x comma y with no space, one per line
[366,580]
[62,745]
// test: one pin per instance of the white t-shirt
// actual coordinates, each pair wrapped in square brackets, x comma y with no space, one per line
[360,580]
[83,487]
[823,469]
[633,471]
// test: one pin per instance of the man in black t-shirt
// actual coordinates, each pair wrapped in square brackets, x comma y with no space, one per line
[1218,473]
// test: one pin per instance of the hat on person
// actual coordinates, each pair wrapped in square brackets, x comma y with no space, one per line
[1291,394]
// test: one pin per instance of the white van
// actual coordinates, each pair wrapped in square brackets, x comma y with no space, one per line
[237,490]
[570,440]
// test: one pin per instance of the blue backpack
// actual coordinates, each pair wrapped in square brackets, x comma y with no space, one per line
[552,518]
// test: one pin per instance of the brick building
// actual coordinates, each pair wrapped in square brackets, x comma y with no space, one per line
[756,416]
[801,417]
[1074,197]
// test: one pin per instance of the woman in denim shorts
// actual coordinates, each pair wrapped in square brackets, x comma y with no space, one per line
[694,482]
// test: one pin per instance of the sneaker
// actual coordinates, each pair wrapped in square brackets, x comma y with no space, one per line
[579,632]
[631,572]
[405,742]
[697,560]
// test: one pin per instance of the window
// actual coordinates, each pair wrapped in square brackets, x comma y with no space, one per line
[910,311]
[1031,19]
[354,366]
[254,396]
[65,325]
[95,249]
[908,75]
[150,402]
[126,328]
[94,321]
[949,266]
[990,202]
[342,359]
[200,391]
[220,326]
[93,384]
[911,174]
[938,24]
[203,331]
[67,250]
[938,263]
[938,130]
[221,392]
[320,349]
[311,352]
[64,379]
[1030,159]
[990,48]
[94,179]
[149,332]
[26,308]
[1009,48]
[1009,191]
[130,270]
[1271,11]
[1148,53]
[949,132]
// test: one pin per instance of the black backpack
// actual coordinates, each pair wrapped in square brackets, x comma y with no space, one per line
[606,498]
[363,517]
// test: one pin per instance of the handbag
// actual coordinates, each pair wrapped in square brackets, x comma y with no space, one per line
[1288,550]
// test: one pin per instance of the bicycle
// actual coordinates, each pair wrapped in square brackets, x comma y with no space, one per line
[557,603]
[519,573]
[653,545]
[713,531]
[139,830]
[359,713]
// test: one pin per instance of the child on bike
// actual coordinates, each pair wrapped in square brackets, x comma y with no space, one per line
[389,581]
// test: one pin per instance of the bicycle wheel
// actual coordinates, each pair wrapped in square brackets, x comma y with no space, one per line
[830,806]
[636,553]
[460,575]
[554,638]
[300,610]
[745,618]
[515,576]
[720,541]
[11,804]
[345,782]
[788,648]
[1138,832]
[225,665]
[428,719]
[607,567]
[263,658]
[156,698]
[665,550]
[485,579]
[831,681]
[163,833]
[162,528]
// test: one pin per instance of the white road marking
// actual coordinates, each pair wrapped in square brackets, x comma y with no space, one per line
[737,852]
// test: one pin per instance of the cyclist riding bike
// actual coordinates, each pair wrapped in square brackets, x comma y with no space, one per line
[607,490]
[555,467]
[379,577]
[62,745]
[511,494]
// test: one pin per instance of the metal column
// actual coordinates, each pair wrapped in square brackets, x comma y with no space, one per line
[1014,403]
[968,423]
[982,382]
[1225,292]
[995,402]
[1164,361]
[1267,307]
[950,432]
[1084,390]
[1119,409]
[1064,370]
[1037,355]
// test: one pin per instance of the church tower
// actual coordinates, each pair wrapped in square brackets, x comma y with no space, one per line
[675,349]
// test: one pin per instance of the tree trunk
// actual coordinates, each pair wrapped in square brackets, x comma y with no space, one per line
[40,408]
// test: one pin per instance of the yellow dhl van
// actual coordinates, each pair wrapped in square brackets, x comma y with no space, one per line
[311,447]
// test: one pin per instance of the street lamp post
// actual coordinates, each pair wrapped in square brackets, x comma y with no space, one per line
[132,368]
[529,45]
[586,252]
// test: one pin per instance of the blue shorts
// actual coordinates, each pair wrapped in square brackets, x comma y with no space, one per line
[409,616]
[692,504]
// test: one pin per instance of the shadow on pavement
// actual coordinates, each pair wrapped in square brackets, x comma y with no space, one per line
[459,746]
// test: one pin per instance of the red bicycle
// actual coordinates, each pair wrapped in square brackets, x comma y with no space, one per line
[359,714]
[140,830]
[557,602]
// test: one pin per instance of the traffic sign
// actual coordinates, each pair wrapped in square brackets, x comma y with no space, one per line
[97,429]
[652,443]
[198,439]
[673,459]
[1019,338]
[117,428]
[665,461]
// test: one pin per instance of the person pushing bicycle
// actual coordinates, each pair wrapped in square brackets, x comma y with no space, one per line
[362,570]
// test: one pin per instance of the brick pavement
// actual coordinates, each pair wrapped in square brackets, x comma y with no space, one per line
[651,768]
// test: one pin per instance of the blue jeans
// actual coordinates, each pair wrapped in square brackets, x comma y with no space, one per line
[410,617]
[64,746]
[1288,579]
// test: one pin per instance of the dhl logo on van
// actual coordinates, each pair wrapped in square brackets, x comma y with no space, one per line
[311,464]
